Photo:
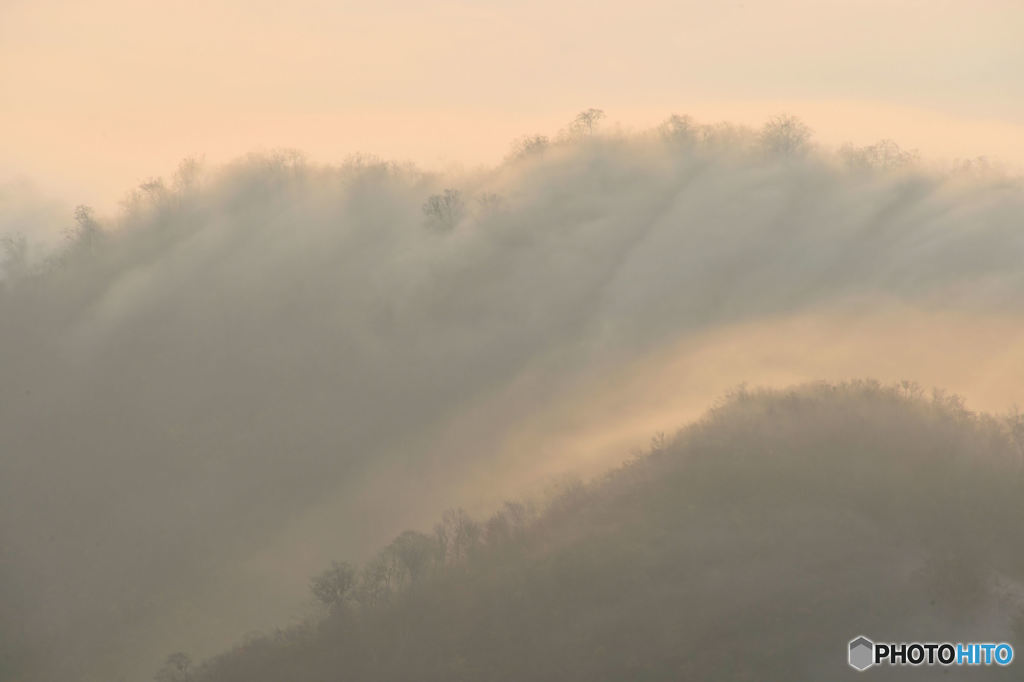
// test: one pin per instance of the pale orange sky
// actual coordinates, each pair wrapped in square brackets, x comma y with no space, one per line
[98,96]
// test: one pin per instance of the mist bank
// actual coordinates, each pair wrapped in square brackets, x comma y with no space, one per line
[751,545]
[273,345]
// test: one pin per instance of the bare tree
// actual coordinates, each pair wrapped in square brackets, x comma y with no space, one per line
[414,552]
[333,585]
[497,530]
[458,534]
[380,577]
[444,210]
[177,668]
[467,534]
[518,514]
[86,234]
[155,189]
[442,542]
[529,145]
[785,135]
[678,129]
[585,122]
[884,154]
[186,177]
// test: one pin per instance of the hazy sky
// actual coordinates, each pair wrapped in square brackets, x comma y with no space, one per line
[97,96]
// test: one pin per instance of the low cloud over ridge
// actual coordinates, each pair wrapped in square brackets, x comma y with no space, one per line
[244,345]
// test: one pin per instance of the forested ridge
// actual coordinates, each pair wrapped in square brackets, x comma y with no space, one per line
[752,545]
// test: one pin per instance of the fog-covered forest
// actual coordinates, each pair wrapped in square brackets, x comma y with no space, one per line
[742,548]
[251,371]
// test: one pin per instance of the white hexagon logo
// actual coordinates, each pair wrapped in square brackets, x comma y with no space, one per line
[862,653]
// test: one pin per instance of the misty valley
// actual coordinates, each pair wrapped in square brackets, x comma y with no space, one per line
[627,405]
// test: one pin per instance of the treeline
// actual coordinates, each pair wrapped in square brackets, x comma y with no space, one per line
[414,556]
[751,545]
[157,200]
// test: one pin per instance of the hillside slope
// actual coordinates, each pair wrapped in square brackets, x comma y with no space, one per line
[752,546]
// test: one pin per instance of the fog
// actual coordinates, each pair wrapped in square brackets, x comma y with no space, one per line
[253,369]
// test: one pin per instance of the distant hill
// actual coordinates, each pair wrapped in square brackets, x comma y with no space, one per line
[751,546]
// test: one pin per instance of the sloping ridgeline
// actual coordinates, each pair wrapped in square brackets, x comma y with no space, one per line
[751,546]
